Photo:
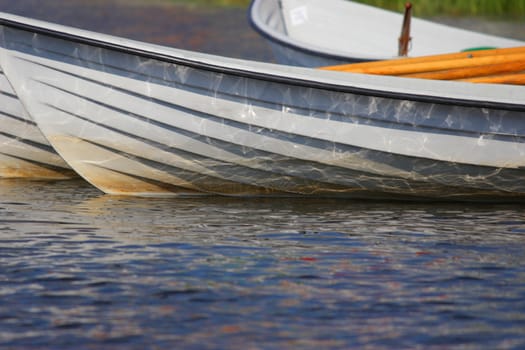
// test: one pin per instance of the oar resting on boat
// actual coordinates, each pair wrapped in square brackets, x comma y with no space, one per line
[484,66]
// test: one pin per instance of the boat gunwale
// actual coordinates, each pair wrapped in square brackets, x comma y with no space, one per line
[244,73]
[282,40]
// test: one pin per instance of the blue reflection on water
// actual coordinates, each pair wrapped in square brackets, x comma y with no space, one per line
[85,270]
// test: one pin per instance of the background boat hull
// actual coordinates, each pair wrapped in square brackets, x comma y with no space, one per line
[313,33]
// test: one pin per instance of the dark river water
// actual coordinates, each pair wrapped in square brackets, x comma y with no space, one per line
[83,270]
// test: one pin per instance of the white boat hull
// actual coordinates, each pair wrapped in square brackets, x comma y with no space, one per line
[139,119]
[24,152]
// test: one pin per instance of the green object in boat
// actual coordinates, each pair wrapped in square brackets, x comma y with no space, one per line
[479,48]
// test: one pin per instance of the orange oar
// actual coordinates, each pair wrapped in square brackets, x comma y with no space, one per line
[514,79]
[437,65]
[366,67]
[469,72]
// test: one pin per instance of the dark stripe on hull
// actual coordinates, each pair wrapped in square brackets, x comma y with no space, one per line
[8,94]
[38,145]
[18,118]
[66,171]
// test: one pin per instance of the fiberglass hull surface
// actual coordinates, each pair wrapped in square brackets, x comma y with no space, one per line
[139,119]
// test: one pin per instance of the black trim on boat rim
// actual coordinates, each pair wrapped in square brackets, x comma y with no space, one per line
[257,75]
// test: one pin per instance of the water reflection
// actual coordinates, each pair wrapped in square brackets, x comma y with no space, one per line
[119,272]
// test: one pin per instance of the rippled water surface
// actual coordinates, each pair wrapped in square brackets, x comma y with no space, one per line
[84,270]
